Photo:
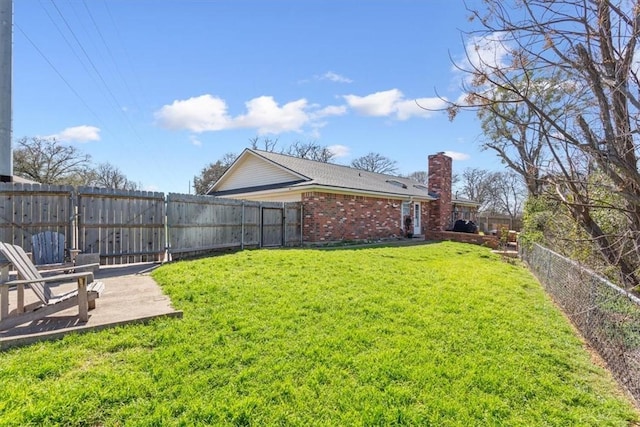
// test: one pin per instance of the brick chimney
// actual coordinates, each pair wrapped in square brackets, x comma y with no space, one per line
[440,187]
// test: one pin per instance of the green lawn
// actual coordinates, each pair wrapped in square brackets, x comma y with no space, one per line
[444,334]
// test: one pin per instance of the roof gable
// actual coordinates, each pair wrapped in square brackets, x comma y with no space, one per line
[252,170]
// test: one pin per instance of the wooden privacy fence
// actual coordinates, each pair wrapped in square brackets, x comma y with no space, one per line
[199,224]
[27,209]
[488,223]
[137,226]
[122,226]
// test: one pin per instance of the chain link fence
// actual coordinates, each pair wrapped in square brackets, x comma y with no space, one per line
[606,315]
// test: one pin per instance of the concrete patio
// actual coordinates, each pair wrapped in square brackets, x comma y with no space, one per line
[130,296]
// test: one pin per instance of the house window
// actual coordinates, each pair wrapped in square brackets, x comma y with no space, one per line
[405,211]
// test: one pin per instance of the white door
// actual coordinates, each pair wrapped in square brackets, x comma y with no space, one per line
[416,219]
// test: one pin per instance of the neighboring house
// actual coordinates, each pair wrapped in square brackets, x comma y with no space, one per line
[340,202]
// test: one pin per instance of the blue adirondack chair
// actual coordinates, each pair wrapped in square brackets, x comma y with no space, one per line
[48,248]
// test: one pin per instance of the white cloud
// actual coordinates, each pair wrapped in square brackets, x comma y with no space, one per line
[330,76]
[264,114]
[198,114]
[487,51]
[339,150]
[392,103]
[195,140]
[335,77]
[482,53]
[457,156]
[82,133]
[377,104]
[331,110]
[209,113]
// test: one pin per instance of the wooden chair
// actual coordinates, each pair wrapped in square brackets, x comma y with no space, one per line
[49,251]
[84,296]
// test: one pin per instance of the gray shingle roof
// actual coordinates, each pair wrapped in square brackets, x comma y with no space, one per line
[345,177]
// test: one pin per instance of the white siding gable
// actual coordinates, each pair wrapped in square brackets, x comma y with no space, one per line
[252,172]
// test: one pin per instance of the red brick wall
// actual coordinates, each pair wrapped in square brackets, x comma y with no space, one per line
[335,217]
[440,183]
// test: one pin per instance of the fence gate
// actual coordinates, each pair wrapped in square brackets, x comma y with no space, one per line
[272,227]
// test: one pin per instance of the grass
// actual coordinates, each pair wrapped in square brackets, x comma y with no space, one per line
[443,335]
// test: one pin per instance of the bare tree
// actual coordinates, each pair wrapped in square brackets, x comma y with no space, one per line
[267,144]
[106,175]
[305,150]
[48,161]
[508,194]
[516,133]
[310,150]
[477,185]
[375,162]
[421,176]
[582,54]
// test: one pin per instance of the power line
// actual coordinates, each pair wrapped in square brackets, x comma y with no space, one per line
[98,73]
[108,49]
[75,92]
[72,48]
[124,49]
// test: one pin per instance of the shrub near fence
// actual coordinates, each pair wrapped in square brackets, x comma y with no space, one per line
[606,315]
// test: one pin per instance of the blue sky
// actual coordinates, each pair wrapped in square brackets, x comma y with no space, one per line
[161,88]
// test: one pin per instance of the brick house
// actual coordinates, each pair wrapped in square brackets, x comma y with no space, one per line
[344,203]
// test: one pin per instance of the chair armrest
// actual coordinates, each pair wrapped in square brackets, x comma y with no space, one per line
[47,270]
[69,267]
[58,278]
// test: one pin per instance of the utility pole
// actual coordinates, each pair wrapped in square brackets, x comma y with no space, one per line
[6,40]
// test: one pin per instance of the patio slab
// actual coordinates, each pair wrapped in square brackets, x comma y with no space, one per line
[130,296]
